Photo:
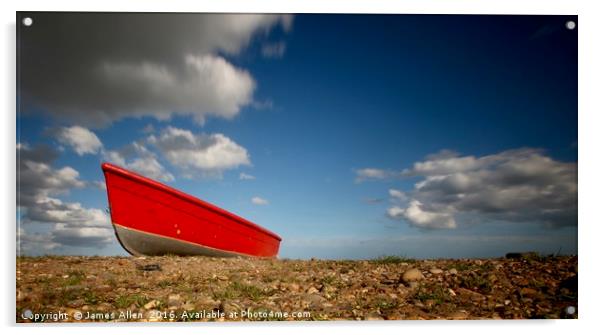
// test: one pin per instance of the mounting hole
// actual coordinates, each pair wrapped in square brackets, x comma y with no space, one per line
[570,25]
[27,21]
[570,310]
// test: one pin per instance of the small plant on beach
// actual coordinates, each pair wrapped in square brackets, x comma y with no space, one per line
[238,289]
[435,293]
[125,301]
[477,281]
[75,277]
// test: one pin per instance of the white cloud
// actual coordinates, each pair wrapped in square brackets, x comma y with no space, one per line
[138,158]
[244,176]
[398,195]
[273,50]
[83,236]
[372,174]
[80,139]
[418,217]
[522,185]
[208,86]
[48,209]
[199,154]
[259,201]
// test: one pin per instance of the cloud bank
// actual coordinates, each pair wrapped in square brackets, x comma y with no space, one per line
[522,185]
[39,185]
[95,68]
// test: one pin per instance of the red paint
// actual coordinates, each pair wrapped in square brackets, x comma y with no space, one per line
[143,204]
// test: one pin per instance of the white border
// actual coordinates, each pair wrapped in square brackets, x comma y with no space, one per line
[589,151]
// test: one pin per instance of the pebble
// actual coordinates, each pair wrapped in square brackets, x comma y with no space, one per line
[315,301]
[458,315]
[76,303]
[104,288]
[453,271]
[188,306]
[472,295]
[373,316]
[435,271]
[174,300]
[312,290]
[20,295]
[151,304]
[528,291]
[412,275]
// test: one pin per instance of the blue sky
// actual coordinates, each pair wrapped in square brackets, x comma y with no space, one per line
[365,135]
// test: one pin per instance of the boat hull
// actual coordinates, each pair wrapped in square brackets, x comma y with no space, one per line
[140,243]
[151,218]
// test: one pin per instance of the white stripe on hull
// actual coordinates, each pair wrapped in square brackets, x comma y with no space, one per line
[139,243]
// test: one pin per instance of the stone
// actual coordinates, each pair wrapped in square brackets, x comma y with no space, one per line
[527,291]
[312,290]
[174,300]
[412,275]
[435,271]
[76,303]
[393,315]
[20,295]
[453,271]
[472,295]
[373,316]
[188,306]
[104,288]
[314,301]
[458,315]
[151,304]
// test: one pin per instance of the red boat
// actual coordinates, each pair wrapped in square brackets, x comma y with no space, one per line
[151,218]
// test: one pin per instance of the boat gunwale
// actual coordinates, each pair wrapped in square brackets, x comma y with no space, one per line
[111,168]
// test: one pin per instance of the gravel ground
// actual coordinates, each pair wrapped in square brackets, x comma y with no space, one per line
[170,288]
